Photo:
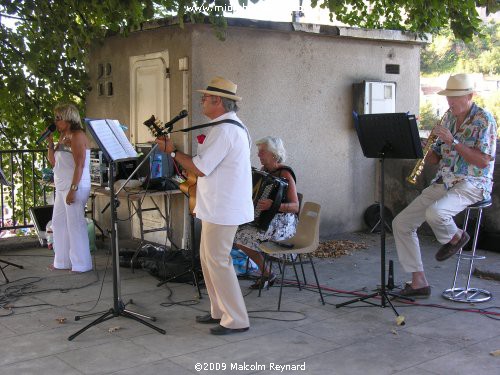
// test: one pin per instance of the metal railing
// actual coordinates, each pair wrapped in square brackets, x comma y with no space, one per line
[23,171]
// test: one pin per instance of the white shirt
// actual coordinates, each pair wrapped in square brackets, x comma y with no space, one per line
[224,194]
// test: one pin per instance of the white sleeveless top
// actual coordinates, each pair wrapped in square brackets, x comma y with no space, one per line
[65,167]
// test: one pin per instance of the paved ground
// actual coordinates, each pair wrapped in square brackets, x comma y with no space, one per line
[440,337]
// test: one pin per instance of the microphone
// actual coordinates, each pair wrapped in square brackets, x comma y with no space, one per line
[169,125]
[51,129]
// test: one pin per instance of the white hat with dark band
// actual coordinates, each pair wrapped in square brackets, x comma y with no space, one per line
[458,85]
[219,86]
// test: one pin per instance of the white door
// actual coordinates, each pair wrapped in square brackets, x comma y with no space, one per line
[149,93]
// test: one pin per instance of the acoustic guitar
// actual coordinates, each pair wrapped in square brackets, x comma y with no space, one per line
[188,186]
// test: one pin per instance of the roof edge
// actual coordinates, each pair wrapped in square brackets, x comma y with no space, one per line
[318,29]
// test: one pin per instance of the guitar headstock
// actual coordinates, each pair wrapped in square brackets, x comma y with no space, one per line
[154,126]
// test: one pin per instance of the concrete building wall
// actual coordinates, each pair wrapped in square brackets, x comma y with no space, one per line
[298,86]
[295,85]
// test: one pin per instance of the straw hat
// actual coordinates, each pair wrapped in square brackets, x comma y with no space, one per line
[458,85]
[219,86]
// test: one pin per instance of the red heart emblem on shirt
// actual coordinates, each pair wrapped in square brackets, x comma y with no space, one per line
[201,138]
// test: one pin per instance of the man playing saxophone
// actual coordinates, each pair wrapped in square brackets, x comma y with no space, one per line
[465,152]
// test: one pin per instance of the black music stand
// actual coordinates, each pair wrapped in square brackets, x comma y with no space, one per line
[4,181]
[115,147]
[386,136]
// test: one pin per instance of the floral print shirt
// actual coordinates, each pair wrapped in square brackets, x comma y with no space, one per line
[479,130]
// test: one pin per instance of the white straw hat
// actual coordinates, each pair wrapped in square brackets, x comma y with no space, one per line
[219,86]
[458,85]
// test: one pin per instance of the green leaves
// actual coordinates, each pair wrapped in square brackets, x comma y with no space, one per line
[420,16]
[447,54]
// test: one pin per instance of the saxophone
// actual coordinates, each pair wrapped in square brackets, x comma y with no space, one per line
[417,170]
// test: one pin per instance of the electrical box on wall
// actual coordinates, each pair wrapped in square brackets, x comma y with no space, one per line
[374,97]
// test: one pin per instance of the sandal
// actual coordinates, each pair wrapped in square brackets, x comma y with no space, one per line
[51,267]
[268,280]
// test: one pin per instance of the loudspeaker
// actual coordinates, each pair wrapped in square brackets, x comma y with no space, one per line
[372,218]
[41,216]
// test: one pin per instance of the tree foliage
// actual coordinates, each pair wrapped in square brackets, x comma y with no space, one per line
[447,54]
[420,16]
[492,104]
[428,117]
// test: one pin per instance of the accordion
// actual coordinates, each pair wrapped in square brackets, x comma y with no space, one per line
[266,186]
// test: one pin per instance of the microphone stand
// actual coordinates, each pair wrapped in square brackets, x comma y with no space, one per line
[118,308]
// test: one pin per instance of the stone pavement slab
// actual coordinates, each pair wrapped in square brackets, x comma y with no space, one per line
[438,338]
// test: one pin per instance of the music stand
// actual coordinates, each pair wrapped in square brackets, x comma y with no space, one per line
[115,147]
[386,136]
[4,181]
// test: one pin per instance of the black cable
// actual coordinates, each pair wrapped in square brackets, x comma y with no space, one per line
[100,290]
[188,303]
[13,292]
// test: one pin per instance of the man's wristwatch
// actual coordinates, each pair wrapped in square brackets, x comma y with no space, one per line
[455,142]
[74,187]
[173,153]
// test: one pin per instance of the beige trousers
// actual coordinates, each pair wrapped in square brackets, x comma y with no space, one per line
[226,299]
[437,206]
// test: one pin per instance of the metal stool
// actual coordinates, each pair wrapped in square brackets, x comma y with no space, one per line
[468,294]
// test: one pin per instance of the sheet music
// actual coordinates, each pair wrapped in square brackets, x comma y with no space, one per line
[122,138]
[112,138]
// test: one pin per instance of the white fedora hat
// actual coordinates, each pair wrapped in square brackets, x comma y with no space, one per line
[219,86]
[458,85]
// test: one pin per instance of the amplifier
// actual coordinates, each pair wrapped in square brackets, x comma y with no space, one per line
[99,168]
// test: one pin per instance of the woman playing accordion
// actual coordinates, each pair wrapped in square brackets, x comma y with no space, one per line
[272,154]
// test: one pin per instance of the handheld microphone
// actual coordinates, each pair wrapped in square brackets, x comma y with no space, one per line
[169,125]
[51,129]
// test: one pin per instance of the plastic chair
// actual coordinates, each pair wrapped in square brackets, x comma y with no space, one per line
[247,266]
[305,241]
[468,294]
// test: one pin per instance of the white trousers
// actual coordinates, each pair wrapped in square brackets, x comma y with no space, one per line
[437,206]
[71,240]
[226,299]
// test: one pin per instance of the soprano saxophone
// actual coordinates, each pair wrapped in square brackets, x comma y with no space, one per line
[417,170]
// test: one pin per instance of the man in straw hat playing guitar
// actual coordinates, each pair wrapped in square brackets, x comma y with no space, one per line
[223,201]
[465,153]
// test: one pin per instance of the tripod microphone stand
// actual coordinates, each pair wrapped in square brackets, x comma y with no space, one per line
[6,265]
[118,308]
[4,181]
[387,135]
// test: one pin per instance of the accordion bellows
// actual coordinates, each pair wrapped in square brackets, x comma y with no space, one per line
[267,186]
